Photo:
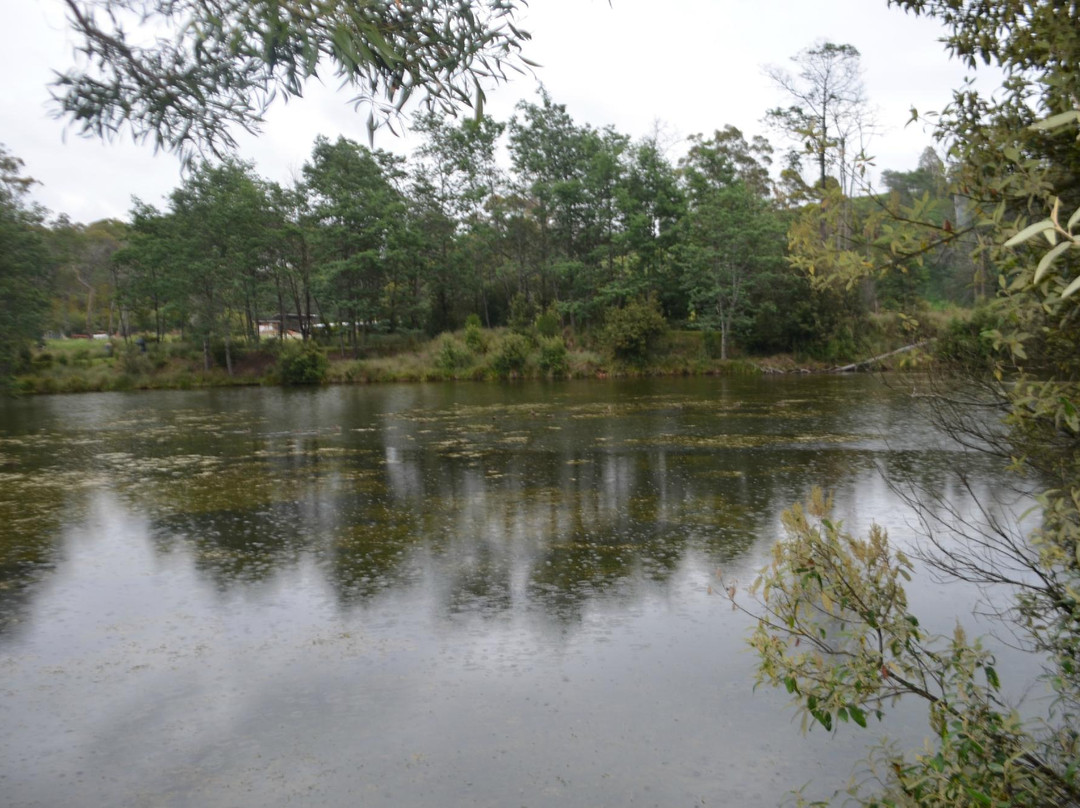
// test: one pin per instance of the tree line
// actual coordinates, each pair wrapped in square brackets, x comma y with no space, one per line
[574,221]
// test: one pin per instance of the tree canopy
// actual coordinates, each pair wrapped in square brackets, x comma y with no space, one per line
[182,73]
[24,267]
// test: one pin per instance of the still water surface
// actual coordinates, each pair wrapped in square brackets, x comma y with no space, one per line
[424,595]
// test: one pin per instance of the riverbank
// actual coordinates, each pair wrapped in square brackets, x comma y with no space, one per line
[81,365]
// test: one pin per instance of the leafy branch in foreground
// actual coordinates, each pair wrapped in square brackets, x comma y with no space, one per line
[834,630]
[181,73]
[834,626]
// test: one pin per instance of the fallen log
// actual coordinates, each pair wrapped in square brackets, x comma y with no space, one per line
[855,367]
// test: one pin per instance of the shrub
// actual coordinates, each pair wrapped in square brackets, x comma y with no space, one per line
[452,356]
[512,356]
[964,342]
[553,357]
[630,332]
[302,363]
[135,362]
[474,336]
[41,361]
[712,342]
[522,314]
[547,322]
[237,351]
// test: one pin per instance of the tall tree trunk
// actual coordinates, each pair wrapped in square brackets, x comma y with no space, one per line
[228,352]
[280,308]
[89,301]
[824,142]
[251,323]
[159,321]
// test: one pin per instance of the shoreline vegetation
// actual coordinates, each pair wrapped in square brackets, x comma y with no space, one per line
[74,365]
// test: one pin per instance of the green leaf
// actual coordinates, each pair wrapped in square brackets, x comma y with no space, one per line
[1073,220]
[857,715]
[1071,289]
[1049,259]
[1029,231]
[992,678]
[1056,121]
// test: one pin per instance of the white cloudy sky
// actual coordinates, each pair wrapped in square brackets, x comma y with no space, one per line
[693,65]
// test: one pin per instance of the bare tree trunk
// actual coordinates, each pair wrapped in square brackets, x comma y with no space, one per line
[228,353]
[89,301]
[281,309]
[867,363]
[250,317]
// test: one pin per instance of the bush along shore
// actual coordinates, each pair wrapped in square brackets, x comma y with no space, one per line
[473,353]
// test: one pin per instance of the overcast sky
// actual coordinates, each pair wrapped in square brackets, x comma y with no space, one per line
[691,65]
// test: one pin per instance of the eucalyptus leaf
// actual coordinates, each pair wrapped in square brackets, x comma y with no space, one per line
[1073,220]
[1049,258]
[1071,289]
[1030,231]
[1057,121]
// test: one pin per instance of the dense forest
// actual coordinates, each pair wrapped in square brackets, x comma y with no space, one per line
[501,223]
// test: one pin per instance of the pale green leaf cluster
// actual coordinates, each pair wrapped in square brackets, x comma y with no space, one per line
[834,630]
[182,73]
[1061,238]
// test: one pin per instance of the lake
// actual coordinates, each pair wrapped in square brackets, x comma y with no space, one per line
[428,595]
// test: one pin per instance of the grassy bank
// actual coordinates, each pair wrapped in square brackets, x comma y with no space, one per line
[79,365]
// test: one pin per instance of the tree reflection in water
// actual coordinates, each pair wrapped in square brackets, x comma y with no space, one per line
[382,593]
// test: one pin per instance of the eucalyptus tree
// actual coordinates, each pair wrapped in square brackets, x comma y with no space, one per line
[354,209]
[87,285]
[290,240]
[727,156]
[185,74]
[25,268]
[571,184]
[432,232]
[828,112]
[828,116]
[546,152]
[218,249]
[149,261]
[402,300]
[945,270]
[652,204]
[459,161]
[733,239]
[592,276]
[605,178]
